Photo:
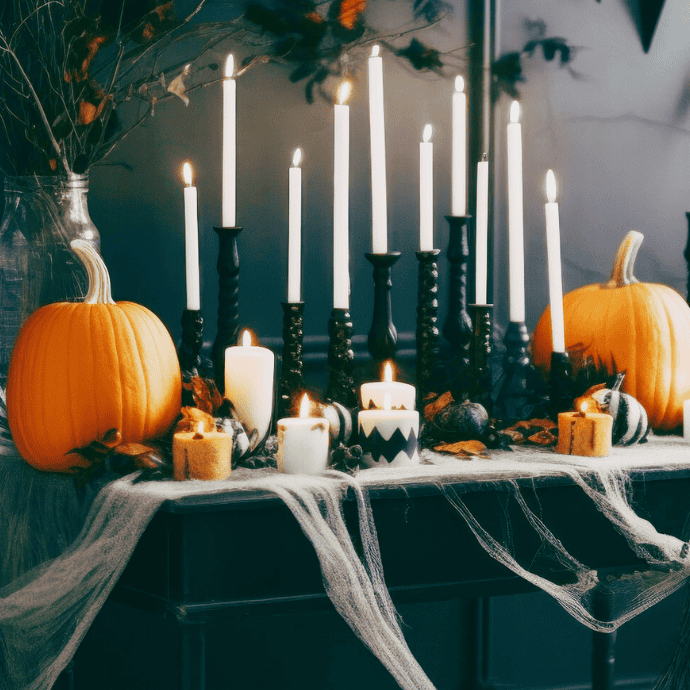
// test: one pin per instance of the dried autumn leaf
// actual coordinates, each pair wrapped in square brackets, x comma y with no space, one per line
[433,408]
[191,417]
[543,438]
[134,449]
[468,448]
[205,394]
[350,12]
[178,86]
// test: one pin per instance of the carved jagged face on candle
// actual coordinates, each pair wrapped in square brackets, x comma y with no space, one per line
[344,92]
[297,158]
[187,174]
[551,187]
[230,66]
[426,136]
[459,84]
[515,112]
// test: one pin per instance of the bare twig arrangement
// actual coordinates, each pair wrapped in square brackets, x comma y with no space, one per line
[77,76]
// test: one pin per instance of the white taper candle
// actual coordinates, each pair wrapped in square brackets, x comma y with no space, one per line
[553,248]
[482,231]
[295,229]
[341,181]
[228,199]
[379,212]
[426,192]
[516,249]
[191,239]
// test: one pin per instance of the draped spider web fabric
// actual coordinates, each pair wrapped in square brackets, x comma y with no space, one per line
[55,592]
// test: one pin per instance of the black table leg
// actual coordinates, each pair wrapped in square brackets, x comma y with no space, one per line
[603,644]
[193,657]
[479,647]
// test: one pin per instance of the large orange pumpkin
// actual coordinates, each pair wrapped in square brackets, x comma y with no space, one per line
[640,328]
[78,370]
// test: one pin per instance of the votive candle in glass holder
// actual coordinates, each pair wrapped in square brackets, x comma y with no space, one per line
[402,395]
[303,442]
[389,438]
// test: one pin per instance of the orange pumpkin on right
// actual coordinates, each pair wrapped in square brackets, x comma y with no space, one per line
[625,325]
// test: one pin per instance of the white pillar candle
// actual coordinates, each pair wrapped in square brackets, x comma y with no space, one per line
[459,150]
[341,223]
[482,232]
[229,206]
[295,229]
[426,192]
[402,395]
[249,384]
[191,239]
[202,454]
[389,437]
[516,249]
[303,442]
[553,248]
[686,421]
[379,213]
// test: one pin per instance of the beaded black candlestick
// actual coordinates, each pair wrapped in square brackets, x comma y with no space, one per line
[341,384]
[457,328]
[291,379]
[427,322]
[383,337]
[228,299]
[192,337]
[561,378]
[482,345]
[512,401]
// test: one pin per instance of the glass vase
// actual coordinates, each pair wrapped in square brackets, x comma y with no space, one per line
[37,266]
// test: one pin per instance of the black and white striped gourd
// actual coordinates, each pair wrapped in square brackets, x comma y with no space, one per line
[630,424]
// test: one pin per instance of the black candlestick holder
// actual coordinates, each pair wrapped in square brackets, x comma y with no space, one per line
[427,322]
[341,385]
[561,398]
[291,379]
[513,397]
[482,345]
[686,254]
[192,337]
[457,328]
[228,299]
[383,337]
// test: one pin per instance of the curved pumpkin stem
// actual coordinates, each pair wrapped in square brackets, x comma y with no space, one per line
[99,279]
[624,263]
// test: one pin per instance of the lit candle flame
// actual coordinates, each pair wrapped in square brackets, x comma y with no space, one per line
[387,401]
[426,136]
[297,158]
[388,372]
[246,338]
[200,428]
[515,112]
[304,407]
[230,66]
[375,51]
[459,83]
[187,174]
[583,408]
[344,92]
[551,187]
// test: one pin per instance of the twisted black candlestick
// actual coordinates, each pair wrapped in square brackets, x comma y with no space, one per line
[561,383]
[341,385]
[687,255]
[192,336]
[457,328]
[512,399]
[427,319]
[228,299]
[383,338]
[482,346]
[291,380]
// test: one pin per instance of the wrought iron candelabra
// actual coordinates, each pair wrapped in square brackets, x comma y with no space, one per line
[457,328]
[228,299]
[383,337]
[291,378]
[192,337]
[427,322]
[341,385]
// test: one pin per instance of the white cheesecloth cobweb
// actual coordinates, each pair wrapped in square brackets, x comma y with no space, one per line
[46,610]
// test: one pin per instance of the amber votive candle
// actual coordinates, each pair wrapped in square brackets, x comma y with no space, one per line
[587,434]
[202,455]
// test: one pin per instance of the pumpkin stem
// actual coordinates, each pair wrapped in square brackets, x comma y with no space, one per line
[624,263]
[99,278]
